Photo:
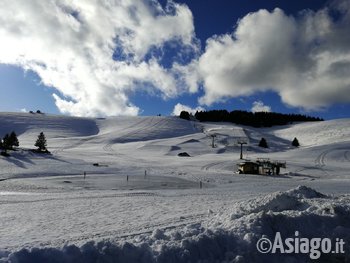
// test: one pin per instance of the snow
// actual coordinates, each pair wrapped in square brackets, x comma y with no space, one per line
[143,203]
[317,133]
